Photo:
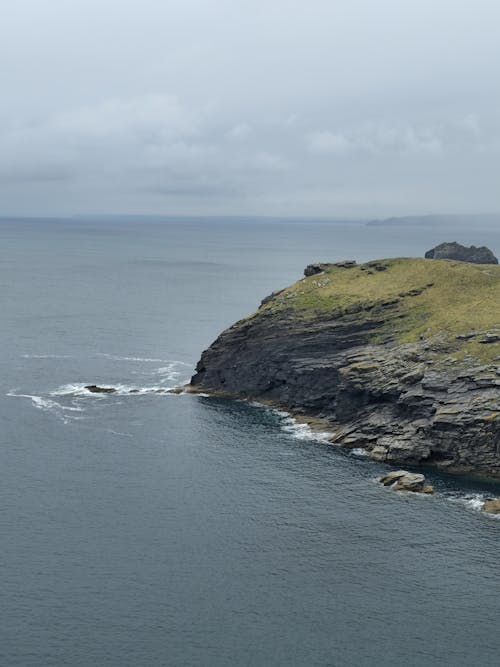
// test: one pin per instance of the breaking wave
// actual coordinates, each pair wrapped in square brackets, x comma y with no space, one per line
[298,430]
[475,502]
[80,390]
[49,405]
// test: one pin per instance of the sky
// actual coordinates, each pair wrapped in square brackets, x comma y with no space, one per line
[324,108]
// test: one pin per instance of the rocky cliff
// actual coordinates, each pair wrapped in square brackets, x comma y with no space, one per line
[454,250]
[400,357]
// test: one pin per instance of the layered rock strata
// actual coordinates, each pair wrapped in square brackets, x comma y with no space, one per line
[365,369]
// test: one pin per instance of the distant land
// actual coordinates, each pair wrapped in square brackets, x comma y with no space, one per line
[480,219]
[486,219]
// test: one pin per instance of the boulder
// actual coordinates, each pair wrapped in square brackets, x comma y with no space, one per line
[454,250]
[402,480]
[492,506]
[392,477]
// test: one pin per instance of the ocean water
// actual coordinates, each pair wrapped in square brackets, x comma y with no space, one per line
[152,529]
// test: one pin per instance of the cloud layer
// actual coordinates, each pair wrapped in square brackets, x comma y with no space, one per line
[330,109]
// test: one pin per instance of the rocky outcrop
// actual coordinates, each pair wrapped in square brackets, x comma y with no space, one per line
[95,389]
[455,251]
[350,363]
[321,267]
[402,480]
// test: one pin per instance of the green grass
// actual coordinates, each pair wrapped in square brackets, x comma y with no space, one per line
[456,298]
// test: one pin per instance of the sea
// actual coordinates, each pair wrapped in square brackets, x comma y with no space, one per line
[147,529]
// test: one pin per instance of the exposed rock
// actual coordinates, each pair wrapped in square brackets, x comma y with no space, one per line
[410,482]
[490,338]
[95,389]
[320,267]
[392,477]
[454,250]
[402,480]
[492,506]
[270,297]
[314,269]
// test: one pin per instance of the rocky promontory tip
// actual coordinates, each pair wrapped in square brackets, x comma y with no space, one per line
[399,357]
[460,253]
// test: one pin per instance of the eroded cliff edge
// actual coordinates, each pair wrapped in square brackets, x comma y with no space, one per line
[400,357]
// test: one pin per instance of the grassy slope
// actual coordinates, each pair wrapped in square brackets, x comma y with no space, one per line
[463,297]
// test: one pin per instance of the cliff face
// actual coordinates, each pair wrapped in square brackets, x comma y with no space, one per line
[401,357]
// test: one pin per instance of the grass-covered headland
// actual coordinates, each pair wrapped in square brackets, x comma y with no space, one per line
[428,298]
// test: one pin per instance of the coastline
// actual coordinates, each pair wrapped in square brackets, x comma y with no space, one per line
[323,426]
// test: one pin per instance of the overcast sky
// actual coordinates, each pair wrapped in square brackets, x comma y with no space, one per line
[356,108]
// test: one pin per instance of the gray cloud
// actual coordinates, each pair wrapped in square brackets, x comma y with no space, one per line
[320,108]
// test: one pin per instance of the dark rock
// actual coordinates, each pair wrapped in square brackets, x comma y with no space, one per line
[490,338]
[94,389]
[314,269]
[319,267]
[270,297]
[347,264]
[476,255]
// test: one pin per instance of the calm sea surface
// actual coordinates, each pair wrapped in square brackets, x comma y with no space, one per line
[146,529]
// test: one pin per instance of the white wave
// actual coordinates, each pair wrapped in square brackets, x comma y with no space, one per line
[295,428]
[172,373]
[48,405]
[46,356]
[153,360]
[301,431]
[119,390]
[473,501]
[359,451]
[125,435]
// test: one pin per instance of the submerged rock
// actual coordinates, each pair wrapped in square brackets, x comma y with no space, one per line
[454,250]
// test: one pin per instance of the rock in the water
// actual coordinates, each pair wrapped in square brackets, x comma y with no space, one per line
[95,389]
[454,250]
[392,477]
[402,480]
[492,506]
